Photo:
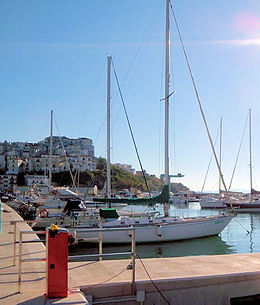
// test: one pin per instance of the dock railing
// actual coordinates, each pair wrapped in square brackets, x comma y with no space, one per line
[14,223]
[101,254]
[36,259]
[70,258]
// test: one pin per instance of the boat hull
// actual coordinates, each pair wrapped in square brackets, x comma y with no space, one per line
[180,230]
[250,207]
[212,204]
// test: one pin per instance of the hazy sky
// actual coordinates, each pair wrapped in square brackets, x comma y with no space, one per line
[53,56]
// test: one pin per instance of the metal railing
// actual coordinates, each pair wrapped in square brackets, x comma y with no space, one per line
[14,223]
[101,254]
[26,259]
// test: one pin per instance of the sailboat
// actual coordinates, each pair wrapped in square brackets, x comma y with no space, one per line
[211,202]
[157,229]
[55,198]
[251,205]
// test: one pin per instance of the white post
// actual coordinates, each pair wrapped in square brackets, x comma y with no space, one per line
[50,160]
[78,178]
[220,154]
[100,240]
[108,128]
[20,262]
[14,258]
[166,95]
[250,154]
[133,261]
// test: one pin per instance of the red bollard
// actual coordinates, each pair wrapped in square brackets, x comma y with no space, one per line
[56,262]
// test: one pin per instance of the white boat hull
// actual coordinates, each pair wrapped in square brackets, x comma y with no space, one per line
[212,204]
[180,230]
[178,201]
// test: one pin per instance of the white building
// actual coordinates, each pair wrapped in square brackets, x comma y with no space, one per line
[14,152]
[42,163]
[1,148]
[71,146]
[45,163]
[2,162]
[126,167]
[8,182]
[82,163]
[34,157]
[35,164]
[26,151]
[37,180]
[14,165]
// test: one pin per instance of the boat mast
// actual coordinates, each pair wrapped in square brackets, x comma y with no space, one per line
[50,159]
[220,154]
[108,128]
[250,153]
[166,95]
[78,177]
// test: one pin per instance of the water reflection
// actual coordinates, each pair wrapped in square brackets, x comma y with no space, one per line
[203,246]
[251,234]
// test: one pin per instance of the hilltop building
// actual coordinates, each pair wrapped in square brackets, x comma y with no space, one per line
[8,182]
[24,157]
[126,167]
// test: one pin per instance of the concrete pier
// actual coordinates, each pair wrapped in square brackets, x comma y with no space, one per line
[33,273]
[212,280]
[196,280]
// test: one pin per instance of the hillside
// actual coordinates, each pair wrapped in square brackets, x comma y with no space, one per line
[120,179]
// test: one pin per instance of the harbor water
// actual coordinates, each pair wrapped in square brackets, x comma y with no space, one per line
[240,236]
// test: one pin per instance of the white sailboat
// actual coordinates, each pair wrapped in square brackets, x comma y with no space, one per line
[210,202]
[251,205]
[157,229]
[154,230]
[55,198]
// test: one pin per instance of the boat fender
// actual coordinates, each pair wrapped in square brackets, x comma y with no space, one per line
[159,251]
[71,239]
[159,230]
[44,213]
[130,233]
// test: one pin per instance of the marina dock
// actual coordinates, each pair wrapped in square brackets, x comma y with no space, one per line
[195,280]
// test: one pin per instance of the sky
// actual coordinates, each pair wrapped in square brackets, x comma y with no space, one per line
[53,56]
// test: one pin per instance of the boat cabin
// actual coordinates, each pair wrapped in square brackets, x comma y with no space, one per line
[73,205]
[108,213]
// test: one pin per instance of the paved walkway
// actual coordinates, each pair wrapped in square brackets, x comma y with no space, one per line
[107,278]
